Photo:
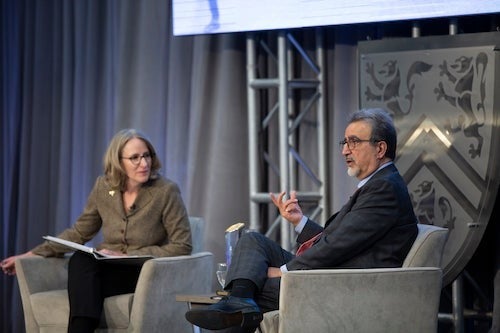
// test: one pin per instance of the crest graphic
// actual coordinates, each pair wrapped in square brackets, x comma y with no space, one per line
[440,92]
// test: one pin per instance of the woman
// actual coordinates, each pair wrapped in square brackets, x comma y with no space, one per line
[139,213]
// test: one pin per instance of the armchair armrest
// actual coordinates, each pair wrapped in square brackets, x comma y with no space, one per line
[36,274]
[155,308]
[360,300]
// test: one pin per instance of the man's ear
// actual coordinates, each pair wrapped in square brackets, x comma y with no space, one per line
[381,149]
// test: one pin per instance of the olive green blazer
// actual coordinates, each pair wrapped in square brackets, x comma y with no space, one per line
[157,224]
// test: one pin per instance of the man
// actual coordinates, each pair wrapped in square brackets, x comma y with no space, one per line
[375,228]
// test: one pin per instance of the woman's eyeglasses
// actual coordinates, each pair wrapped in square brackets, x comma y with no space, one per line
[136,158]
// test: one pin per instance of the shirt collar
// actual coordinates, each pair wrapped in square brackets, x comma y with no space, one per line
[364,180]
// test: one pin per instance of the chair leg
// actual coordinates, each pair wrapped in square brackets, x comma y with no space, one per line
[458,304]
[457,315]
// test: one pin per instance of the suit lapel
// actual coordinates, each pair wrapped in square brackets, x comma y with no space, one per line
[345,209]
[145,195]
[348,206]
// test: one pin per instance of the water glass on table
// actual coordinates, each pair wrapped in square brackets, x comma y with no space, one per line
[221,273]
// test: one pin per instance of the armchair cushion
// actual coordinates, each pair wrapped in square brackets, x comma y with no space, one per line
[427,249]
[51,308]
[116,311]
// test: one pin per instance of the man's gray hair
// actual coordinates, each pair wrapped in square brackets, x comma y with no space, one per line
[383,128]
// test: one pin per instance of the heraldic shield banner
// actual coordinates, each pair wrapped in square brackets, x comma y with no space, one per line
[440,91]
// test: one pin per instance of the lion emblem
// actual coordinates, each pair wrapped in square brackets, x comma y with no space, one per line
[425,202]
[388,79]
[461,75]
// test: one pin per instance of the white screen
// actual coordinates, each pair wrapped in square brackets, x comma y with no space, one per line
[191,17]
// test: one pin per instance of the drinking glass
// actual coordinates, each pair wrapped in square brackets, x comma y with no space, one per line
[221,273]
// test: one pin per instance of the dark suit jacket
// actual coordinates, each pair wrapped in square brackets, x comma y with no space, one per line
[375,228]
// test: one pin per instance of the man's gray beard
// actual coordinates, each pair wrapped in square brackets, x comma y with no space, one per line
[353,172]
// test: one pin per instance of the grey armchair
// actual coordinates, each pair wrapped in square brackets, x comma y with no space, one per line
[402,299]
[42,282]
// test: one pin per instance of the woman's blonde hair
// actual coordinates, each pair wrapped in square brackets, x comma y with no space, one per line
[113,169]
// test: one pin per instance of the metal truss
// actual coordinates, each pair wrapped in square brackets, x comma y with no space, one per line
[277,108]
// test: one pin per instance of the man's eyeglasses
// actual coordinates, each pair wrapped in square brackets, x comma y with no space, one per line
[136,158]
[352,143]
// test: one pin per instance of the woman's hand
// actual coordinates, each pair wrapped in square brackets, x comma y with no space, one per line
[289,208]
[112,253]
[9,264]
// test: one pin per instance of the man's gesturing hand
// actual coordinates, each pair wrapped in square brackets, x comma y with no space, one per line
[288,208]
